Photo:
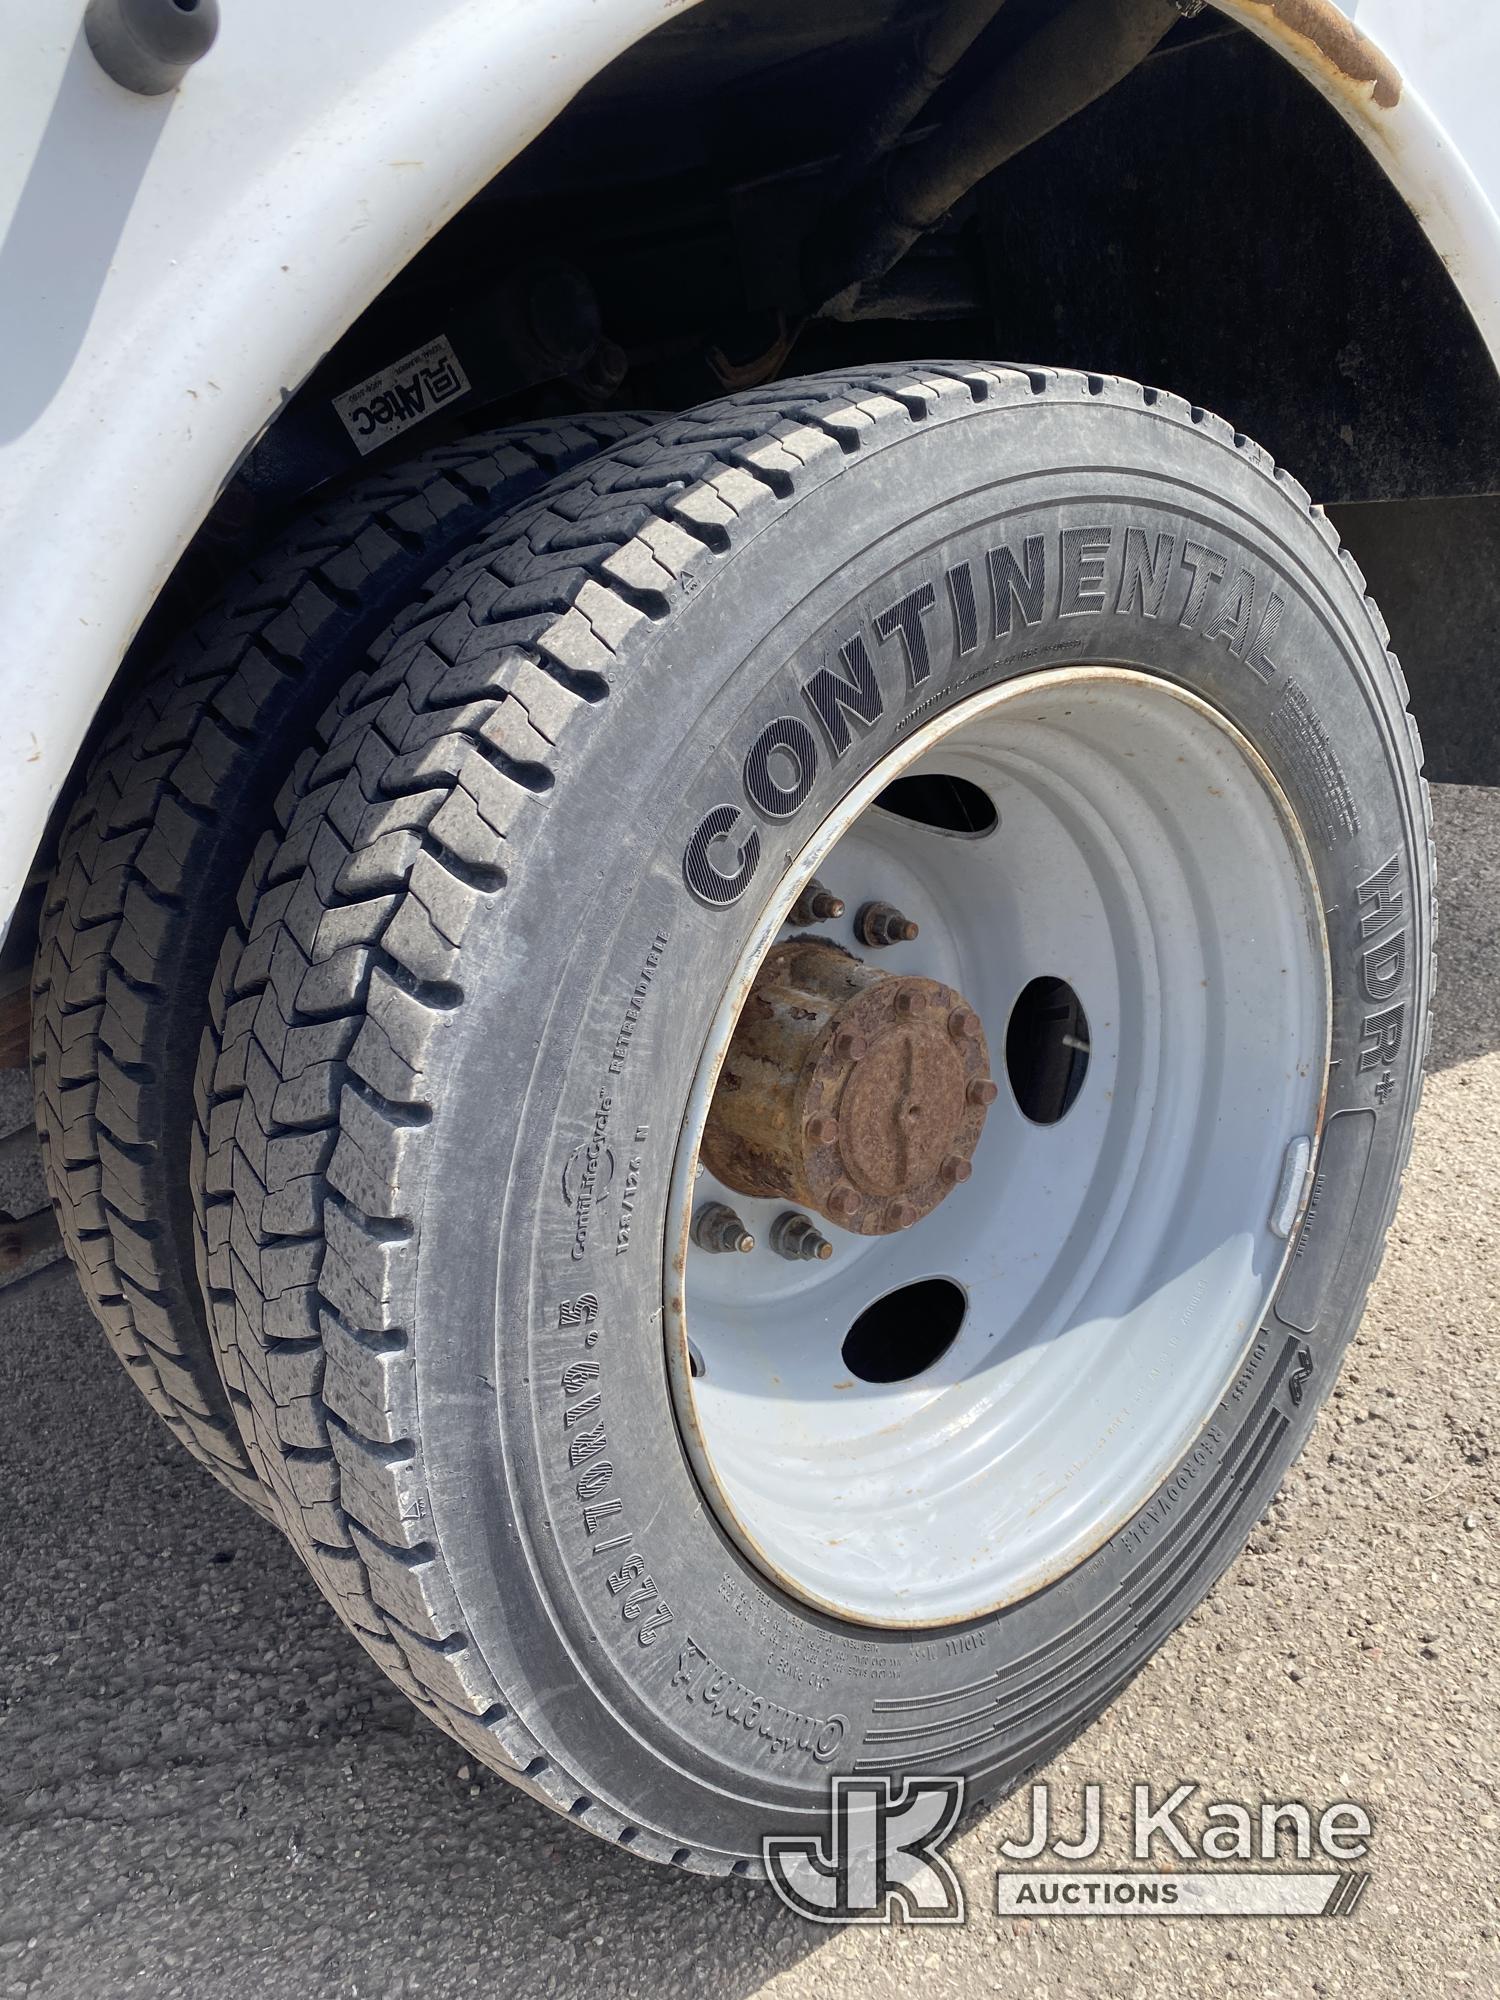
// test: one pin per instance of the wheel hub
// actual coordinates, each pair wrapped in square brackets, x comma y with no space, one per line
[856,1093]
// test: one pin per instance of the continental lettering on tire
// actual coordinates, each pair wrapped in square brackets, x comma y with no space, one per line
[721,857]
[932,629]
[624,1570]
[587,1175]
[780,768]
[701,1680]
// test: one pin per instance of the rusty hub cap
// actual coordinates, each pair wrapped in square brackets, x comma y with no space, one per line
[853,1092]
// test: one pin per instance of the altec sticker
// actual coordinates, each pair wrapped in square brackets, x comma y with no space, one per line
[385,405]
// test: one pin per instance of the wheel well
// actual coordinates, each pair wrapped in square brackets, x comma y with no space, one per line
[1210,224]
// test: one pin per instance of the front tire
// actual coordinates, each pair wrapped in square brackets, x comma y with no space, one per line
[487,962]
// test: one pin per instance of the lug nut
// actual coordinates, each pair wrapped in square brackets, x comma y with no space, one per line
[954,1169]
[963,1024]
[823,1129]
[983,1090]
[911,1000]
[850,1044]
[843,1201]
[816,905]
[794,1237]
[901,1214]
[717,1227]
[883,923]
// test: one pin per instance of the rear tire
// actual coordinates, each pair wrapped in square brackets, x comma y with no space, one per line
[150,859]
[483,969]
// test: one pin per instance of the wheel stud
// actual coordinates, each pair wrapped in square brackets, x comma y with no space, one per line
[843,1200]
[822,1130]
[850,1044]
[983,1090]
[794,1237]
[963,1024]
[911,1000]
[816,905]
[716,1227]
[954,1170]
[882,924]
[901,1214]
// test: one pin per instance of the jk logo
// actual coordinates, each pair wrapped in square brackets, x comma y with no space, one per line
[880,1855]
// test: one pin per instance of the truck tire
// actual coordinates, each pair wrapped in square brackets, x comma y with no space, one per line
[1060,674]
[152,854]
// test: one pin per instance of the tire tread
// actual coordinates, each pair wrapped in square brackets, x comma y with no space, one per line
[168,782]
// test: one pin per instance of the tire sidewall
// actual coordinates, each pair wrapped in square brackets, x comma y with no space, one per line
[672,1679]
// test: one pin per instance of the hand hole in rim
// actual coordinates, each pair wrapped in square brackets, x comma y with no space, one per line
[904,1333]
[942,802]
[1047,1049]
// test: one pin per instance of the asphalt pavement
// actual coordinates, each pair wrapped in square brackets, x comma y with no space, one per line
[207,1790]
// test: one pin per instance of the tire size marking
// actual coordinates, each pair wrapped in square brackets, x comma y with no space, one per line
[584,1444]
[1076,573]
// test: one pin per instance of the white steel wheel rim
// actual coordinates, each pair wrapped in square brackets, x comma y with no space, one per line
[1114,1265]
